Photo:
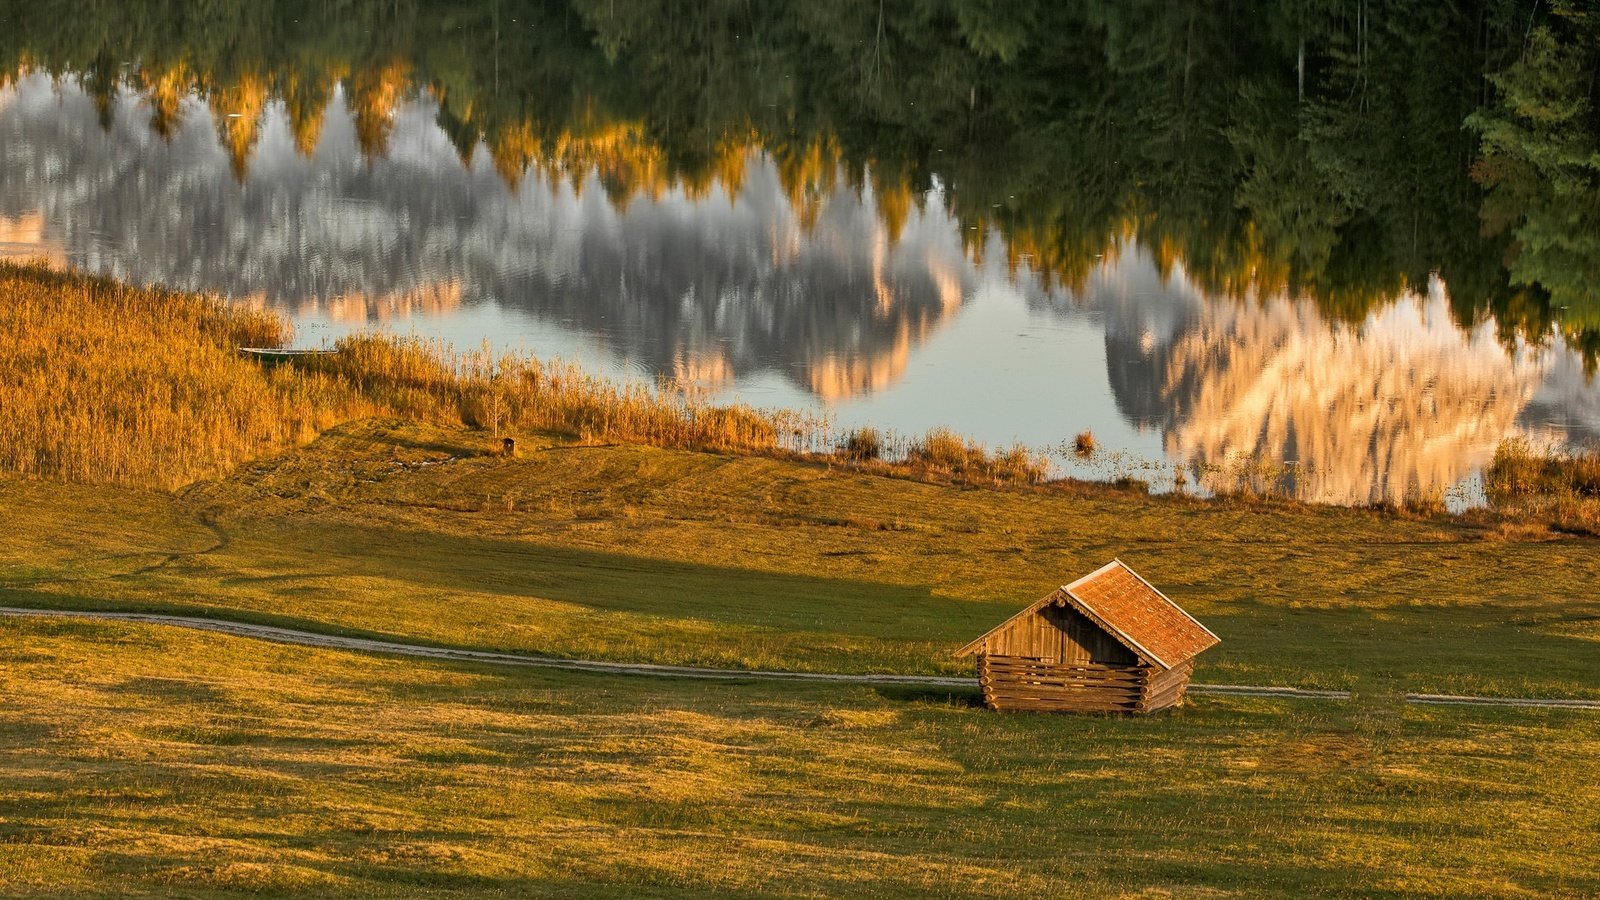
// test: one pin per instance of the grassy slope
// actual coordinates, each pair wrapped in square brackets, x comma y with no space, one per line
[661,555]
[194,763]
[139,760]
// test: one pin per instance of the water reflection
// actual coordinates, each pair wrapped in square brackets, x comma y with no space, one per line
[881,304]
[710,287]
[23,238]
[1403,404]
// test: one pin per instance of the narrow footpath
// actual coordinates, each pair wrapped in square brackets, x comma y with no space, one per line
[370,645]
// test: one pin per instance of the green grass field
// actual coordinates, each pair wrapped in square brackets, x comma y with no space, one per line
[146,760]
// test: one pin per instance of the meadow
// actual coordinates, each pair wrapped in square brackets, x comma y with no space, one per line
[137,760]
[637,553]
[201,765]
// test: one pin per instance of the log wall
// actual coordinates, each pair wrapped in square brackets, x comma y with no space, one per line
[1024,683]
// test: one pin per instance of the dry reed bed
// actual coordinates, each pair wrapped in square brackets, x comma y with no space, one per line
[1559,487]
[101,382]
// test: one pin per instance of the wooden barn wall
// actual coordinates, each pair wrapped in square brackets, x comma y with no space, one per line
[1010,682]
[1020,683]
[1167,688]
[1059,634]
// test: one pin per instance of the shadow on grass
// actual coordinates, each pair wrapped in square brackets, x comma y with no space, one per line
[619,582]
[962,698]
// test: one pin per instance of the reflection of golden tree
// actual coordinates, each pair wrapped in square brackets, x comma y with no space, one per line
[1055,257]
[625,164]
[1245,265]
[726,168]
[164,91]
[1252,264]
[375,93]
[808,173]
[513,149]
[237,107]
[306,97]
[894,198]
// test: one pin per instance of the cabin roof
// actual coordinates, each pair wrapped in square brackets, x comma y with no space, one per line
[1128,608]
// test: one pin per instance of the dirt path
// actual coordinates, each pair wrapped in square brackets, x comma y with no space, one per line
[370,645]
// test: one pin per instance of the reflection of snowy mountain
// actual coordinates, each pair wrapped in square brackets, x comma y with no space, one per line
[1404,403]
[714,288]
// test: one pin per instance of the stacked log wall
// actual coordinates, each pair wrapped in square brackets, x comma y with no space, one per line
[1013,682]
[1024,683]
[1166,689]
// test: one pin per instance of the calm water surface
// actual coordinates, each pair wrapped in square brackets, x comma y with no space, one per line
[1200,272]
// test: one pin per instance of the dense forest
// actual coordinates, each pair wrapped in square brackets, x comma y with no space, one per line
[1341,150]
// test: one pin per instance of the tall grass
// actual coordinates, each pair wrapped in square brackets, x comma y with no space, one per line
[944,452]
[862,444]
[103,382]
[427,380]
[1558,487]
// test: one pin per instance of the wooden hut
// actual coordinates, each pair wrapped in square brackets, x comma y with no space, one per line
[1108,642]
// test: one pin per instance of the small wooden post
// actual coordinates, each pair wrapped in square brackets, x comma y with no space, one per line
[509,447]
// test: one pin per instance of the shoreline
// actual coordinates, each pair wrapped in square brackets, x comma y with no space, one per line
[112,340]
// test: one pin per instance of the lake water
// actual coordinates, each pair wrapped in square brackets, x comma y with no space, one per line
[1214,253]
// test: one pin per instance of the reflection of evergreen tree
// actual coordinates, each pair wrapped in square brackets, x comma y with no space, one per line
[1304,145]
[1541,166]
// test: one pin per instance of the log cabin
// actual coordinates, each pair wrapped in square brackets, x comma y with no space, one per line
[1108,642]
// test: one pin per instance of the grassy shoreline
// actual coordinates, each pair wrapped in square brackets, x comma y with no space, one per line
[104,383]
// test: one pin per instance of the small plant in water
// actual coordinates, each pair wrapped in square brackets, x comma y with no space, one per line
[943,451]
[1084,444]
[942,448]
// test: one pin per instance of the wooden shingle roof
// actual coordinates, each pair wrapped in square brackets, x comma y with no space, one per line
[1131,610]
